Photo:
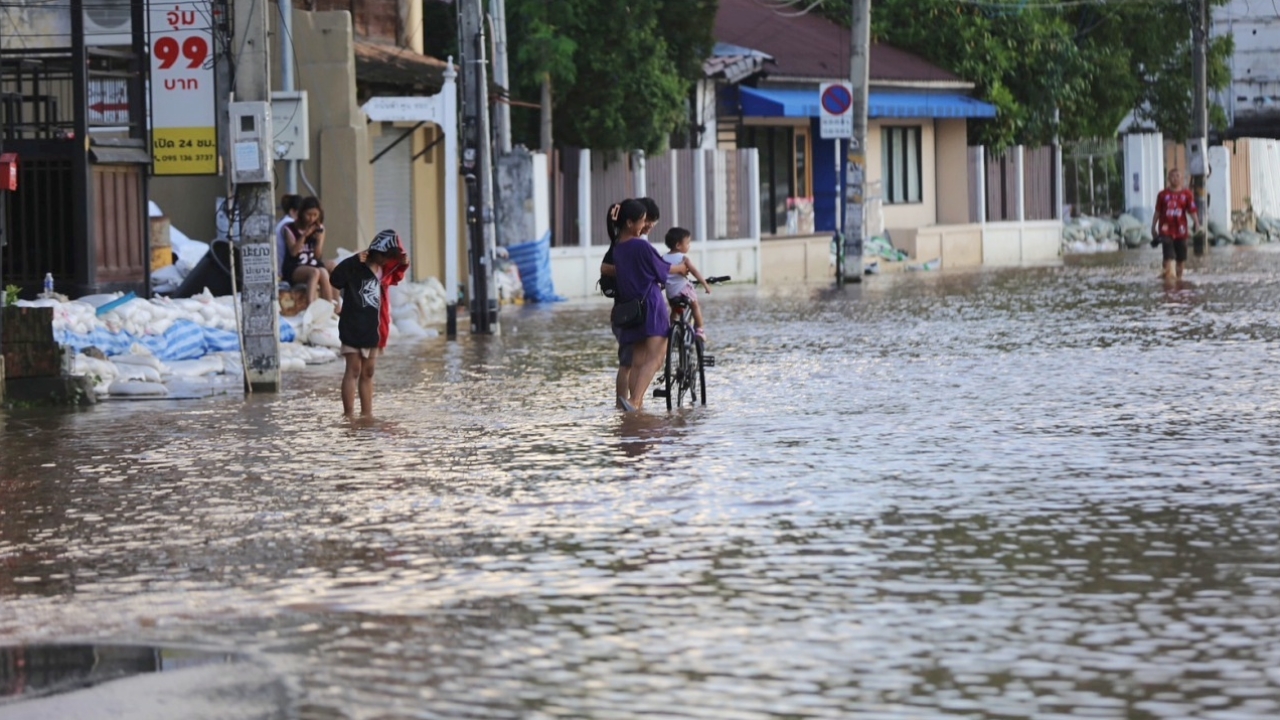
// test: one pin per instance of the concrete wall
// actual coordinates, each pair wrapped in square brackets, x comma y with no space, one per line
[952,171]
[339,167]
[575,270]
[796,260]
[997,244]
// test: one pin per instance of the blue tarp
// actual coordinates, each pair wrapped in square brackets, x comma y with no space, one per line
[184,340]
[788,102]
[534,261]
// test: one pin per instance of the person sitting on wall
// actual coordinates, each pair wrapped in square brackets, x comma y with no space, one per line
[304,246]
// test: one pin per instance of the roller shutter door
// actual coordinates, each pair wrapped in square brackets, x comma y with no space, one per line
[393,186]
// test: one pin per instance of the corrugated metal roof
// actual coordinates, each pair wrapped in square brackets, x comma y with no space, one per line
[383,64]
[809,46]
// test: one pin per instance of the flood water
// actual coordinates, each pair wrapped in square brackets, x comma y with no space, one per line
[1034,493]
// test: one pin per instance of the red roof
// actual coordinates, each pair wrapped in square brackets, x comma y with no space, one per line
[810,46]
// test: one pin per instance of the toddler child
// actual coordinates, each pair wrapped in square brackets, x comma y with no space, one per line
[678,242]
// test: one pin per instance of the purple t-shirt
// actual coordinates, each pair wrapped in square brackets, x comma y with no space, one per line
[642,274]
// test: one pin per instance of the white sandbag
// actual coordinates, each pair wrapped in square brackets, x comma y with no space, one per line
[320,355]
[292,364]
[145,373]
[189,252]
[139,355]
[134,388]
[207,365]
[104,370]
[325,337]
[231,362]
[97,301]
[408,328]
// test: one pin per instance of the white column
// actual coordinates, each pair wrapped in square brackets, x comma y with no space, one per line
[1218,185]
[674,156]
[753,213]
[449,126]
[639,174]
[584,198]
[1059,177]
[699,195]
[1020,197]
[979,153]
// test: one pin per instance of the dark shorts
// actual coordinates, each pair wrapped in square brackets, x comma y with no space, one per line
[1174,249]
[624,351]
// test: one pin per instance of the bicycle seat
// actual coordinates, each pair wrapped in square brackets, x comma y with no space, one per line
[679,301]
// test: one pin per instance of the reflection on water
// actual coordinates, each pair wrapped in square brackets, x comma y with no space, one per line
[1033,493]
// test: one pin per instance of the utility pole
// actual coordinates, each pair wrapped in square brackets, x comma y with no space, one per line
[502,114]
[856,161]
[249,156]
[545,140]
[477,167]
[287,82]
[1198,143]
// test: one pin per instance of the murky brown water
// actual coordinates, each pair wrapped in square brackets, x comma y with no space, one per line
[1042,493]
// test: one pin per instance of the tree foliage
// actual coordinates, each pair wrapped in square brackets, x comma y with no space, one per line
[1092,62]
[620,70]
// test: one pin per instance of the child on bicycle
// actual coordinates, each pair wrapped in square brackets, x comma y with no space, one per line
[678,242]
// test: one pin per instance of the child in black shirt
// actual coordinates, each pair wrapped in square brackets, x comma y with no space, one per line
[365,280]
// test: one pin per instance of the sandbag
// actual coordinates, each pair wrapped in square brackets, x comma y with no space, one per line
[136,388]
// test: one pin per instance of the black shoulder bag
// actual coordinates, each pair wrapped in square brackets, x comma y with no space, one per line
[629,313]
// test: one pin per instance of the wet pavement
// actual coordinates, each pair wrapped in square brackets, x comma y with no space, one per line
[1040,493]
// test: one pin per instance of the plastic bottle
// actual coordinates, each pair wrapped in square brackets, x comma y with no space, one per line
[48,284]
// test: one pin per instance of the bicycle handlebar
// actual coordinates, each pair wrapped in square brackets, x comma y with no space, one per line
[717,279]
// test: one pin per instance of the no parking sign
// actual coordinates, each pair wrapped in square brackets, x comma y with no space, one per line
[836,121]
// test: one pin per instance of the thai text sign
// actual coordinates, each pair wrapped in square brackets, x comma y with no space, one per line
[184,131]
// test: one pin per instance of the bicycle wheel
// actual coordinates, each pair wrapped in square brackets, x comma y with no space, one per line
[669,378]
[688,371]
[701,372]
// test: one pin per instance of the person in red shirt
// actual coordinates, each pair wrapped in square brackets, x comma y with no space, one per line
[1169,226]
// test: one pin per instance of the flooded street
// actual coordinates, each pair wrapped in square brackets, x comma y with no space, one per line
[1042,493]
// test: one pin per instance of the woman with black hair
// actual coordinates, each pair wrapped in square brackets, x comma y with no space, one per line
[609,286]
[304,246]
[641,275]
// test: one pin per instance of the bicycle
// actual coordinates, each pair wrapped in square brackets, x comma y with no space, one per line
[685,374]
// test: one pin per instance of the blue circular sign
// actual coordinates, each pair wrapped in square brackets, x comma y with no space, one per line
[836,99]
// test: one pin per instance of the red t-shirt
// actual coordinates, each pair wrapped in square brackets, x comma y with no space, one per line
[1172,207]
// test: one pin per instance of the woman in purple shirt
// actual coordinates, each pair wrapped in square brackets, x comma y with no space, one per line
[641,273]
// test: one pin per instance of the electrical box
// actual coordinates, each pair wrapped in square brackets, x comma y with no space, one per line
[291,137]
[1196,156]
[9,172]
[251,156]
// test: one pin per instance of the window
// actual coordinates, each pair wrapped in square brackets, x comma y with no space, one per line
[778,171]
[900,158]
[802,162]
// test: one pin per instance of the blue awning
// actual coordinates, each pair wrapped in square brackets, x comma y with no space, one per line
[804,103]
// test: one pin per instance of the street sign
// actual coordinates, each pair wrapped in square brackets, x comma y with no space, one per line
[836,121]
[406,109]
[108,102]
[184,131]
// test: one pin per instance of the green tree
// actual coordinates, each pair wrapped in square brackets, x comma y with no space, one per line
[1093,63]
[620,70]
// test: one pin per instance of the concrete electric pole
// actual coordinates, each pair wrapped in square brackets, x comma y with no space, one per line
[249,159]
[1198,143]
[477,167]
[856,161]
[501,78]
